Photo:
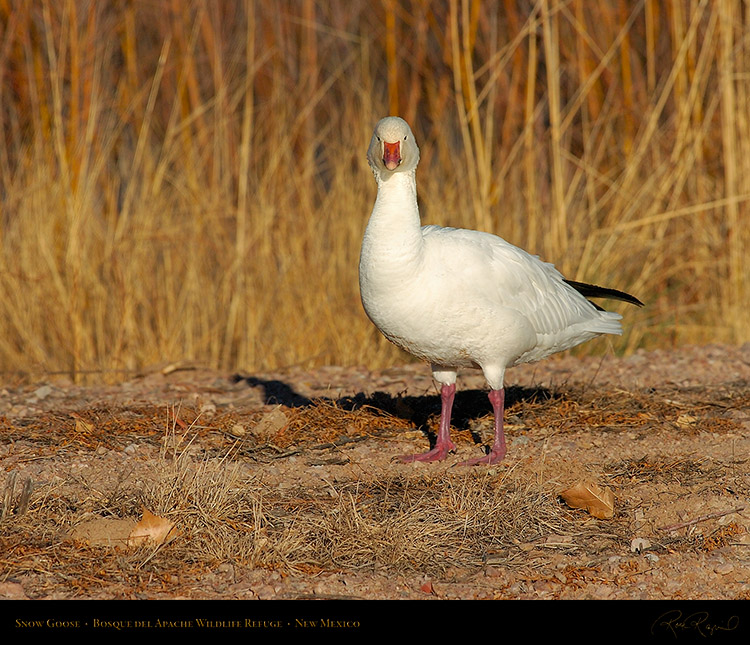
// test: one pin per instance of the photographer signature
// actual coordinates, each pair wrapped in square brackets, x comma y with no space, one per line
[699,622]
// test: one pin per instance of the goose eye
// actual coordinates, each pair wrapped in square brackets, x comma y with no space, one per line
[406,135]
[378,138]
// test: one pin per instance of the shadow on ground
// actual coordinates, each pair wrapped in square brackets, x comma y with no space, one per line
[468,406]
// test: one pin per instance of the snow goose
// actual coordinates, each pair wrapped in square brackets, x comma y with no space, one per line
[459,298]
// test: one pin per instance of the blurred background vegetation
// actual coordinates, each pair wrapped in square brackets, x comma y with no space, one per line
[186,179]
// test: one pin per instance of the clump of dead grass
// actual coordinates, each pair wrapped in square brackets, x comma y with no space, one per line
[398,524]
[428,524]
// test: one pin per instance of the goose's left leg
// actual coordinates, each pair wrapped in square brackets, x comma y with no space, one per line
[497,453]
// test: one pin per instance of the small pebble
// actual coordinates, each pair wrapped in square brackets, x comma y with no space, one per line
[43,392]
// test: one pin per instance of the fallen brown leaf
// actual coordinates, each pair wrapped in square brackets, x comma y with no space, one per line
[597,501]
[81,424]
[151,528]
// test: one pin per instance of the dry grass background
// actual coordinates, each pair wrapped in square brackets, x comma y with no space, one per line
[187,179]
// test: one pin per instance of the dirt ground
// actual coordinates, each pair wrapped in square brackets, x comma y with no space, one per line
[284,485]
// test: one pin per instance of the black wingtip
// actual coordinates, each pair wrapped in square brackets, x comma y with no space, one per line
[594,291]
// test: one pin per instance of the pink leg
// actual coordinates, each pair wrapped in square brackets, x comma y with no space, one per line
[497,454]
[443,445]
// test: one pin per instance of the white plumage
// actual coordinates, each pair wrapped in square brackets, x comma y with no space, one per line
[460,298]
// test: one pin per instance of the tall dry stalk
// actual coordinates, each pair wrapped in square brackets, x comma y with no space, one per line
[727,20]
[558,238]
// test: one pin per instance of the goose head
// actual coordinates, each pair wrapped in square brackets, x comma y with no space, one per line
[392,148]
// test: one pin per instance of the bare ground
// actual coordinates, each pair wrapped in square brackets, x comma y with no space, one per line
[284,485]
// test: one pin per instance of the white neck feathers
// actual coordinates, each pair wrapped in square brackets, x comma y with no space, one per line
[393,239]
